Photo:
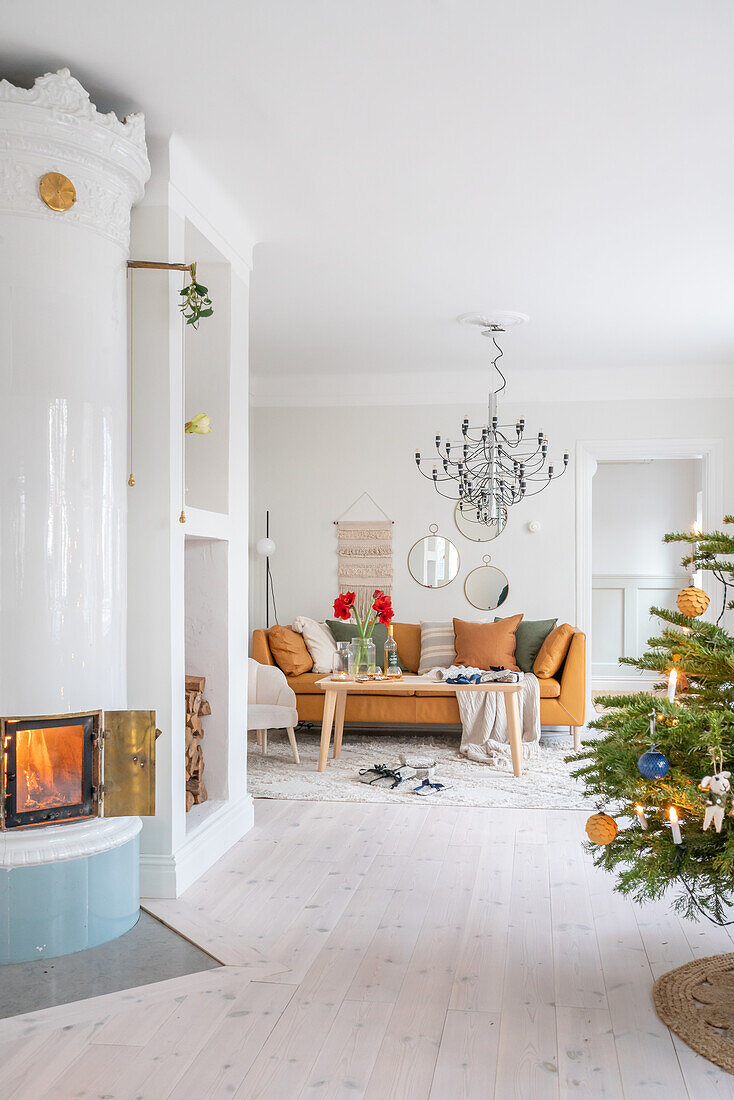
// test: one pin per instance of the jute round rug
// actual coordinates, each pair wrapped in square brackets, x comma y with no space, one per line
[696,1001]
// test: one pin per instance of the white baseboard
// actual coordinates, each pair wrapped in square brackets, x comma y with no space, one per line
[611,684]
[167,876]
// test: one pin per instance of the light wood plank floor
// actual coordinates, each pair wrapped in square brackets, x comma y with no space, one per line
[389,953]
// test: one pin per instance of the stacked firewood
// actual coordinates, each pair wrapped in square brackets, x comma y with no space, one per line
[196,708]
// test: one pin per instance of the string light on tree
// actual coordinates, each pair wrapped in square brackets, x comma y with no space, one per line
[672,679]
[674,826]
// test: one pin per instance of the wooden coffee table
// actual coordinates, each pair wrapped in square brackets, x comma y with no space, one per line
[335,703]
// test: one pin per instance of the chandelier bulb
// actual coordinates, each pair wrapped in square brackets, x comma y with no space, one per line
[435,473]
[417,458]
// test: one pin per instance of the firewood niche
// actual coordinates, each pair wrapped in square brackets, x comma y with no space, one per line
[197,708]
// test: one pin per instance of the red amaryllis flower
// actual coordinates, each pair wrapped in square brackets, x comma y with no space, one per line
[343,605]
[383,609]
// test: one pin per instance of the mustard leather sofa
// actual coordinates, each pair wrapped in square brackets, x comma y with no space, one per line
[562,699]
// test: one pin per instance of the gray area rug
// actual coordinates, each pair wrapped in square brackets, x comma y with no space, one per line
[546,782]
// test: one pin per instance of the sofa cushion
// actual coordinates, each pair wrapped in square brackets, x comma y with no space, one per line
[305,684]
[408,638]
[549,688]
[344,632]
[437,646]
[530,635]
[553,651]
[289,650]
[487,645]
[319,642]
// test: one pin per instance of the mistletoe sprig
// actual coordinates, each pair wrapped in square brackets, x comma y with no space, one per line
[195,301]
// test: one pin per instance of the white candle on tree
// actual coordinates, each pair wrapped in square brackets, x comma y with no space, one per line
[674,826]
[640,814]
[672,679]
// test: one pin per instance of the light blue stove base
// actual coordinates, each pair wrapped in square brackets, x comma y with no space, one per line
[50,909]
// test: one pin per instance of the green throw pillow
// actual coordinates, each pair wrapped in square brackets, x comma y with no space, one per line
[529,637]
[344,632]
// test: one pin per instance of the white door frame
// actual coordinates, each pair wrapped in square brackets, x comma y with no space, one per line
[590,452]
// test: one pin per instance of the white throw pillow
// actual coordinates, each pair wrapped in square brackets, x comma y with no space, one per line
[437,646]
[319,642]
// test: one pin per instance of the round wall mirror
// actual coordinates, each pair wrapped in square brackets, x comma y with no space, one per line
[433,561]
[465,518]
[486,587]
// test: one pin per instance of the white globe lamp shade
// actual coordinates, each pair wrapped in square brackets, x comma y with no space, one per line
[265,548]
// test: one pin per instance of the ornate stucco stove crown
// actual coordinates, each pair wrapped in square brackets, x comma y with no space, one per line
[54,127]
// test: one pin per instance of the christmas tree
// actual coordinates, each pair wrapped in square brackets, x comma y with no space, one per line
[652,754]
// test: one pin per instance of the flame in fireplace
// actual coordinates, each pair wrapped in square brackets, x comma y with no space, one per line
[49,764]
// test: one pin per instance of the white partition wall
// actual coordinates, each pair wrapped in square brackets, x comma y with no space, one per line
[187,582]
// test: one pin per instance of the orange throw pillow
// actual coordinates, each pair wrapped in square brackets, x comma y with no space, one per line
[289,650]
[553,651]
[486,645]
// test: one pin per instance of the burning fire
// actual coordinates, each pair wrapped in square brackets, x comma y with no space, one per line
[49,766]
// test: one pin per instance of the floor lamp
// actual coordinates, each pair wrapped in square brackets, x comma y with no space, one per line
[266,548]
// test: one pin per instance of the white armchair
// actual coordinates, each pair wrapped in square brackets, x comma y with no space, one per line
[271,704]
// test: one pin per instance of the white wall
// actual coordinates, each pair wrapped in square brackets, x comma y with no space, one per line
[310,463]
[634,505]
[177,847]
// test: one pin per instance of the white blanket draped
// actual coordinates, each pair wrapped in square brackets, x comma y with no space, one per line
[485,737]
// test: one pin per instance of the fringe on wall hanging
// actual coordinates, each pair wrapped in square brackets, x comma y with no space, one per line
[364,549]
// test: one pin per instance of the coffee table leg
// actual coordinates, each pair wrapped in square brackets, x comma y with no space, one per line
[326,721]
[341,706]
[513,729]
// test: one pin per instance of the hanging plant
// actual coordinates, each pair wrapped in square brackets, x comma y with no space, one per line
[195,301]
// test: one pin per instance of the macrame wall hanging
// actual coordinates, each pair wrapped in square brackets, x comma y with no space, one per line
[364,549]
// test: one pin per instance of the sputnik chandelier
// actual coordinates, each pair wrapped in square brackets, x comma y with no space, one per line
[494,466]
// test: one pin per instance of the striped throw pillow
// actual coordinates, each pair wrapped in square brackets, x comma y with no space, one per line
[437,646]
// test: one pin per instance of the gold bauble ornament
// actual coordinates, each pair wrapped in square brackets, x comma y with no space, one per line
[57,191]
[601,828]
[692,602]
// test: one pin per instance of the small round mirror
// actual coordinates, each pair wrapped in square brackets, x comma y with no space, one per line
[433,561]
[486,587]
[478,530]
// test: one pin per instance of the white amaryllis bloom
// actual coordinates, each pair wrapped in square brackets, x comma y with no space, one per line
[199,425]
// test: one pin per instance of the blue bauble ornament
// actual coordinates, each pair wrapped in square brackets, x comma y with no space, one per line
[653,764]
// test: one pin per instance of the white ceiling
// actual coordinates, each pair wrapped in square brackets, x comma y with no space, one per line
[404,162]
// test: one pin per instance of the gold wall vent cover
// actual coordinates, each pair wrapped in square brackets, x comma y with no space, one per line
[57,191]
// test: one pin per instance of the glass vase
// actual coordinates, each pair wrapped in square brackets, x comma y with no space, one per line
[340,662]
[361,656]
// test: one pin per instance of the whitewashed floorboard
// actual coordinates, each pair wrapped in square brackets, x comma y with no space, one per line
[390,953]
[467,1057]
[587,1056]
[527,1060]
